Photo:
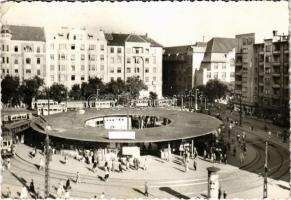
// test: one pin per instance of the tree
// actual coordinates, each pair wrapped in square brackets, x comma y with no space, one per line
[91,87]
[30,89]
[215,89]
[75,92]
[134,85]
[116,87]
[58,92]
[10,90]
[153,97]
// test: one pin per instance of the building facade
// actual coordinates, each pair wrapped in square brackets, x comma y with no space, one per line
[218,62]
[23,52]
[180,64]
[271,61]
[245,72]
[72,55]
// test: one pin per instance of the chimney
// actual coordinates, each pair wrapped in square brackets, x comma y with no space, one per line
[275,32]
[146,35]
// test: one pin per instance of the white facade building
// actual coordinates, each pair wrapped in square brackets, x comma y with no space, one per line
[218,62]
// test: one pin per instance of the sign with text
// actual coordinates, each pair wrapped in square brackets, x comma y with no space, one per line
[121,135]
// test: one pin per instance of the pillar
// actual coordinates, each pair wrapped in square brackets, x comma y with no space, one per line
[213,183]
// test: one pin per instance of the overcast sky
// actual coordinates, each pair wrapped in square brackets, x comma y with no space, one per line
[168,23]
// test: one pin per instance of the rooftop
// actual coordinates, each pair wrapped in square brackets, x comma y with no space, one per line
[27,33]
[220,45]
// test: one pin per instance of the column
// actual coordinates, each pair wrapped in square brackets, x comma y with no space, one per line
[213,182]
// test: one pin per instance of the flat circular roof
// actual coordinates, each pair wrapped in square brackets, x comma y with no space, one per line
[184,125]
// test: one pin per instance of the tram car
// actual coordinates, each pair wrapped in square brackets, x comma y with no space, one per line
[141,103]
[101,104]
[7,146]
[42,103]
[163,102]
[10,118]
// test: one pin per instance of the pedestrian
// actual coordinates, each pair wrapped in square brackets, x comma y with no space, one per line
[31,188]
[8,165]
[195,163]
[145,163]
[224,194]
[120,167]
[78,178]
[8,194]
[204,154]
[106,174]
[94,167]
[225,158]
[41,165]
[66,159]
[68,184]
[146,189]
[102,196]
[219,193]
[24,193]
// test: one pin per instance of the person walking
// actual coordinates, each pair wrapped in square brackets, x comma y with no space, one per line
[219,193]
[8,194]
[146,189]
[224,194]
[94,167]
[106,174]
[204,154]
[78,178]
[145,163]
[41,164]
[195,163]
[68,184]
[31,188]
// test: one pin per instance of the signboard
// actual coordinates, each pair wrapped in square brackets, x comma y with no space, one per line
[131,151]
[121,135]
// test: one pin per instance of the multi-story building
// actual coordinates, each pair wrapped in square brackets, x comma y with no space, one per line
[245,72]
[271,62]
[180,64]
[218,62]
[74,55]
[135,55]
[22,52]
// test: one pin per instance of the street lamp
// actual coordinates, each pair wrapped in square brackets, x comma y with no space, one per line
[196,94]
[265,192]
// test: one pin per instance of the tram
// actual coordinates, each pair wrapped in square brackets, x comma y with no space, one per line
[141,103]
[10,118]
[7,146]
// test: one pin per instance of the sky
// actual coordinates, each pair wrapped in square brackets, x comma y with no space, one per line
[169,23]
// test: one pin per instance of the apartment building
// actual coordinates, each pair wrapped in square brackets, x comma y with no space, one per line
[245,73]
[218,62]
[135,55]
[180,63]
[23,52]
[74,55]
[271,61]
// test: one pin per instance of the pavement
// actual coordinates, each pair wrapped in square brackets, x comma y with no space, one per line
[166,179]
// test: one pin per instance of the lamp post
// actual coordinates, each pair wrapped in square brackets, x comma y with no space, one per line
[265,191]
[196,94]
[47,158]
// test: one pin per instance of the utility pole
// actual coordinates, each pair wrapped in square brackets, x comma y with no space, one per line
[97,93]
[196,94]
[47,156]
[265,191]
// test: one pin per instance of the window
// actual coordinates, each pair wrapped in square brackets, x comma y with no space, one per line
[128,50]
[215,66]
[92,57]
[154,78]
[82,67]
[268,48]
[52,56]
[7,71]
[215,75]
[63,67]
[7,60]
[154,69]
[28,61]
[147,60]
[73,47]
[73,67]
[154,60]
[223,75]
[16,71]
[102,58]
[231,74]
[128,60]
[267,91]
[111,78]
[27,49]
[37,49]
[82,78]
[118,59]
[111,70]
[16,49]
[82,47]
[118,50]
[52,78]
[3,59]
[28,71]
[136,70]
[93,67]
[37,60]
[3,47]
[73,77]
[147,51]
[146,79]
[74,37]
[102,47]
[63,57]
[111,50]
[52,46]
[38,72]
[52,67]
[119,70]
[16,62]
[82,57]
[7,47]
[208,75]
[102,67]
[268,70]
[136,60]
[73,57]
[147,70]
[128,70]
[111,59]
[62,46]
[92,47]
[223,66]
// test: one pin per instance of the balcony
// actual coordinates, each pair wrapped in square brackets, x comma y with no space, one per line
[238,82]
[238,63]
[276,85]
[261,73]
[239,73]
[286,51]
[261,84]
[276,63]
[276,52]
[261,52]
[276,74]
[261,63]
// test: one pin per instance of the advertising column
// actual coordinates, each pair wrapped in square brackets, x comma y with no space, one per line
[213,183]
